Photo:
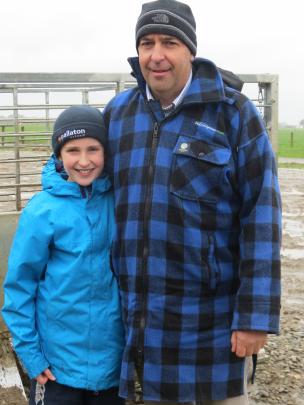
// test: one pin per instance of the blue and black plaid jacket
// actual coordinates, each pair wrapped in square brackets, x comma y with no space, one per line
[198,235]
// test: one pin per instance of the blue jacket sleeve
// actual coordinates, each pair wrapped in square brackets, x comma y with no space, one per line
[27,263]
[257,305]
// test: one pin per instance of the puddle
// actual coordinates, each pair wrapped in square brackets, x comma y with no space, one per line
[294,301]
[292,192]
[294,254]
[295,214]
[293,228]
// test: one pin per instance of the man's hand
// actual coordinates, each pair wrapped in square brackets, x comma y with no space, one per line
[45,376]
[246,343]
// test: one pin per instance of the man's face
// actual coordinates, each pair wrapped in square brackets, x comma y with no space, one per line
[165,63]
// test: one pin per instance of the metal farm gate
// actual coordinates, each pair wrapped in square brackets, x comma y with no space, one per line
[30,102]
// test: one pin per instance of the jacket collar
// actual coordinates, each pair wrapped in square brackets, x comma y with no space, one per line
[206,86]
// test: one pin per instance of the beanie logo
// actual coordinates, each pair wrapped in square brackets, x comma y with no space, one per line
[75,133]
[160,19]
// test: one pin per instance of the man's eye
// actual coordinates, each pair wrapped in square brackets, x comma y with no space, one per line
[145,43]
[170,43]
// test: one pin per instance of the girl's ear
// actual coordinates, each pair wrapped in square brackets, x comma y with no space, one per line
[58,157]
[58,164]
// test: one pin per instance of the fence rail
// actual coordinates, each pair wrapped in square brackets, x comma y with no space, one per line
[26,127]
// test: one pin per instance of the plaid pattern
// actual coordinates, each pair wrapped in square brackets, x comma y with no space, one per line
[198,235]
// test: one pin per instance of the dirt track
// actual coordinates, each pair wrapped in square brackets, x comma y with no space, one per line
[280,372]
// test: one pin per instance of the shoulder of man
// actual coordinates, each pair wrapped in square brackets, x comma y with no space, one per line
[231,79]
[119,102]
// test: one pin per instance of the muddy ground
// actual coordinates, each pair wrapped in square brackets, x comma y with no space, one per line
[280,372]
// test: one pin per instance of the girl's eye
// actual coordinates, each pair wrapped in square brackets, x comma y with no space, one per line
[94,149]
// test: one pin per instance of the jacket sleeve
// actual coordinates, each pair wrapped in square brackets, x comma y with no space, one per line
[26,265]
[257,305]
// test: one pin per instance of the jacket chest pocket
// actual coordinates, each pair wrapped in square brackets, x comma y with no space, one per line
[200,170]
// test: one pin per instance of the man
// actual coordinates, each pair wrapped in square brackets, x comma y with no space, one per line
[198,220]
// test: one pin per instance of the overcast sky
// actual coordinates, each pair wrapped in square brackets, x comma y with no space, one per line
[264,36]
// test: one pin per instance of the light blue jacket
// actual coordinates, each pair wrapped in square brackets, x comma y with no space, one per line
[61,297]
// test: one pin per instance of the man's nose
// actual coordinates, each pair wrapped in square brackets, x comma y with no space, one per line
[157,53]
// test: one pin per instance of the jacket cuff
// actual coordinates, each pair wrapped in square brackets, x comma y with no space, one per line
[263,318]
[35,366]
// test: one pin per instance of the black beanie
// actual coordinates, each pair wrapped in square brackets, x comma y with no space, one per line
[76,122]
[169,17]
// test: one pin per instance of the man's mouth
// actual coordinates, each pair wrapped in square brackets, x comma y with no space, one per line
[159,71]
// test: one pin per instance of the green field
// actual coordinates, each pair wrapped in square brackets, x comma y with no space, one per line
[34,133]
[288,147]
[33,127]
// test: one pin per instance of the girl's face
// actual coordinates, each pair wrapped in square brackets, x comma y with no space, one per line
[83,160]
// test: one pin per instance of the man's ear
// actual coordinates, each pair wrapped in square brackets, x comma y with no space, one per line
[192,58]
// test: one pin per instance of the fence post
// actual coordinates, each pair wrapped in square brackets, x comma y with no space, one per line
[85,97]
[2,137]
[271,114]
[47,115]
[120,86]
[17,151]
[22,137]
[291,139]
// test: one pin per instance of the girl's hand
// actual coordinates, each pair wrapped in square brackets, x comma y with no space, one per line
[45,376]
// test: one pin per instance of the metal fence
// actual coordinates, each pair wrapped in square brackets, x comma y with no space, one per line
[30,102]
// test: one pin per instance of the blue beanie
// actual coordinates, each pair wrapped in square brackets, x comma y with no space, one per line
[76,122]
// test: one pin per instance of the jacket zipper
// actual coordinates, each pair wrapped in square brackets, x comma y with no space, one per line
[145,252]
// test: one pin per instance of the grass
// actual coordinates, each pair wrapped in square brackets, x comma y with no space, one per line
[286,147]
[291,165]
[31,127]
[32,134]
[291,146]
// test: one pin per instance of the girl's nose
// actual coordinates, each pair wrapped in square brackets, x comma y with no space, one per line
[83,160]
